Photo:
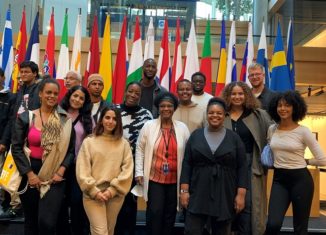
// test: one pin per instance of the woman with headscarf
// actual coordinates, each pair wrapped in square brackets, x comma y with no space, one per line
[159,153]
[50,138]
[251,123]
[214,175]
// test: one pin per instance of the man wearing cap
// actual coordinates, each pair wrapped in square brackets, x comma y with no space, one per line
[72,79]
[150,87]
[95,87]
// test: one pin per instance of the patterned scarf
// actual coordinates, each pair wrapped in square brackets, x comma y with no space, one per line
[51,132]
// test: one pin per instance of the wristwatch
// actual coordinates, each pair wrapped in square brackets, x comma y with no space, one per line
[184,191]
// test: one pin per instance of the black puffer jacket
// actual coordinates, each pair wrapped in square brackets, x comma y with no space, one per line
[7,100]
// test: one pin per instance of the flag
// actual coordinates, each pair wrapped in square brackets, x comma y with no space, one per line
[221,75]
[149,43]
[231,70]
[20,52]
[33,48]
[63,61]
[206,60]
[7,51]
[136,59]
[248,57]
[164,65]
[106,62]
[93,60]
[49,63]
[290,55]
[76,51]
[280,80]
[191,60]
[120,69]
[262,54]
[177,60]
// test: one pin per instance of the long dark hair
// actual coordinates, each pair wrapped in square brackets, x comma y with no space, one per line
[118,130]
[85,111]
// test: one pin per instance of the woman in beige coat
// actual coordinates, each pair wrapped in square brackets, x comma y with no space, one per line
[251,124]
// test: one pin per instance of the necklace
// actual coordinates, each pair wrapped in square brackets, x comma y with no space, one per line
[167,142]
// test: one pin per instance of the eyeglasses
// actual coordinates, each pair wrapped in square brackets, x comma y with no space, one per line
[254,75]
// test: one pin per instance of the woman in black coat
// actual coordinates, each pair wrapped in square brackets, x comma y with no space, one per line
[214,174]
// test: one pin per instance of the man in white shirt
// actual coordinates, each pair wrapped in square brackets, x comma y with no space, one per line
[200,97]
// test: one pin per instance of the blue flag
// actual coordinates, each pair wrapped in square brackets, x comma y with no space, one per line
[290,55]
[280,80]
[262,54]
[33,48]
[7,52]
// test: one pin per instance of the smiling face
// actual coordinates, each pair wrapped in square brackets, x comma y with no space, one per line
[166,109]
[133,94]
[237,96]
[198,83]
[109,122]
[284,110]
[184,92]
[256,77]
[150,69]
[77,100]
[49,95]
[215,116]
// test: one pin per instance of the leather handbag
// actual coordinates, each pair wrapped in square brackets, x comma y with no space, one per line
[10,178]
[267,157]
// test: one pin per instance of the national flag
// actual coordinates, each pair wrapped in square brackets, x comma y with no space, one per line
[7,51]
[93,60]
[248,57]
[49,63]
[76,51]
[33,48]
[106,62]
[221,76]
[20,52]
[231,70]
[206,60]
[280,79]
[63,61]
[121,64]
[177,60]
[290,55]
[135,70]
[150,39]
[262,54]
[164,64]
[191,60]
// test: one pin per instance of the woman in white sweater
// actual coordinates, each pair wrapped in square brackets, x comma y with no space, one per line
[292,182]
[104,170]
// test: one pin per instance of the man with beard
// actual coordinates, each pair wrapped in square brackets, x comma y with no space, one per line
[200,97]
[256,75]
[150,88]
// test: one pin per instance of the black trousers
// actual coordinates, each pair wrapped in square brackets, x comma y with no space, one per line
[41,214]
[126,221]
[296,186]
[161,208]
[195,225]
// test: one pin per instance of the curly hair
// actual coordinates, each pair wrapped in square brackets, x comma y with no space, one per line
[166,96]
[292,98]
[250,103]
[118,130]
[85,111]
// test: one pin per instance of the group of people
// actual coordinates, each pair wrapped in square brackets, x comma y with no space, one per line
[190,152]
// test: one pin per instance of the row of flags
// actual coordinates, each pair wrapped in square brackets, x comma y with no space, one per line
[279,76]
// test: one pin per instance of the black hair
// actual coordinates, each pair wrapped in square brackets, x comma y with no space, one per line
[118,130]
[133,83]
[2,73]
[198,74]
[30,64]
[166,96]
[292,98]
[85,111]
[183,80]
[216,101]
[47,81]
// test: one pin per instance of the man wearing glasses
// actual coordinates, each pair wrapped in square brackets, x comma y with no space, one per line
[72,79]
[256,75]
